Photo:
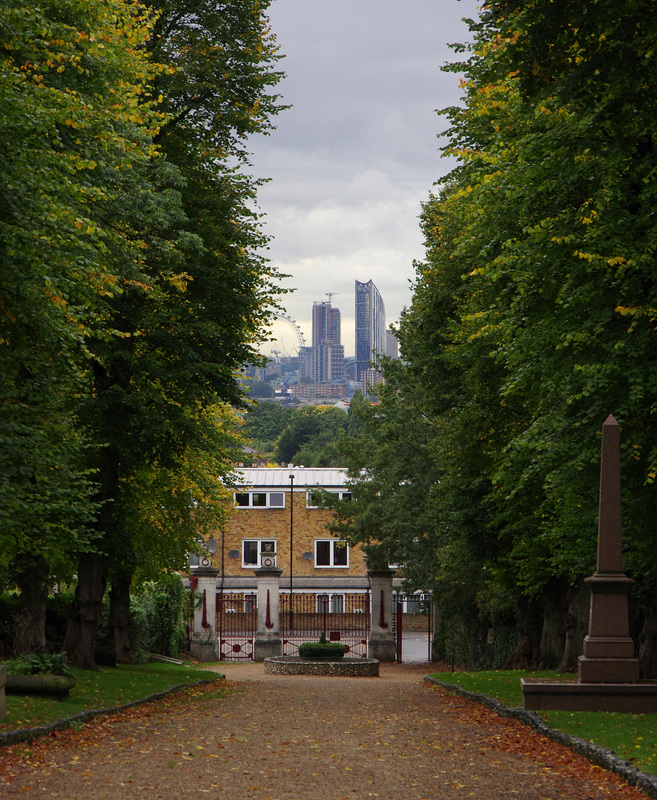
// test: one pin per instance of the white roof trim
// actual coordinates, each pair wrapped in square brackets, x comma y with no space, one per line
[277,477]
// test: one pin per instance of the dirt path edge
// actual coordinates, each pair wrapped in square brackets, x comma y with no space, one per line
[597,755]
[30,734]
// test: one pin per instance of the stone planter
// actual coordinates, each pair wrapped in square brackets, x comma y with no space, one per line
[336,657]
[343,667]
[57,685]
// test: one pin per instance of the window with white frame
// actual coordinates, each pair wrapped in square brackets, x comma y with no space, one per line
[312,499]
[331,553]
[254,550]
[260,499]
[330,603]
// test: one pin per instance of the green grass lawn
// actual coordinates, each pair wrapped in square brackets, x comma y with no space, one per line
[632,736]
[106,688]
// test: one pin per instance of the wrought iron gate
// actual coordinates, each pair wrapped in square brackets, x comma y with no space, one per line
[341,618]
[237,622]
[413,613]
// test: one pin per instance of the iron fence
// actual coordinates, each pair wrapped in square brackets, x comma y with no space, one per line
[237,622]
[341,618]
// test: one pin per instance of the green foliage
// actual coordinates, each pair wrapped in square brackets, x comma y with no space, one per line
[57,608]
[312,436]
[547,219]
[163,606]
[393,479]
[264,422]
[72,151]
[463,640]
[42,664]
[132,289]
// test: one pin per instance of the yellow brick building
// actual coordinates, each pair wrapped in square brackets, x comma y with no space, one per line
[275,520]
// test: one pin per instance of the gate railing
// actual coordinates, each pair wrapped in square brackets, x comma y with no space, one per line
[304,617]
[236,625]
[412,613]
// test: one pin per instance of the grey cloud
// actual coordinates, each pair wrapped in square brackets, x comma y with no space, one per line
[352,162]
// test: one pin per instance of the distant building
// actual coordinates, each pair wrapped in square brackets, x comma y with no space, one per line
[260,525]
[370,326]
[327,361]
[326,323]
[321,390]
[350,368]
[369,378]
[392,345]
[305,363]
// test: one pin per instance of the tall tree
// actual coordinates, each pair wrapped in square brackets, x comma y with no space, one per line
[184,341]
[531,317]
[75,144]
[548,220]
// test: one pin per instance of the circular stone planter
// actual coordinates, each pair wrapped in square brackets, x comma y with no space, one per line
[344,667]
[58,685]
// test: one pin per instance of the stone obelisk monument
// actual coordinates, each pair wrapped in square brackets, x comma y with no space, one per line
[608,672]
[608,648]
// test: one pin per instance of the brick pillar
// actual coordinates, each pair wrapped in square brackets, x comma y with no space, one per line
[268,642]
[204,637]
[382,641]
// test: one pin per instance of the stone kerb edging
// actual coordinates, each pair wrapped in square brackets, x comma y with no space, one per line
[594,753]
[29,734]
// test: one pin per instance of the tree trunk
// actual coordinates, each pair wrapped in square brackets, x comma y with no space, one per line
[84,613]
[120,618]
[30,633]
[553,635]
[93,567]
[576,625]
[528,627]
[648,638]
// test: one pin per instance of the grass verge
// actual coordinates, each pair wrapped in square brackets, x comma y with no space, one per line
[631,736]
[107,688]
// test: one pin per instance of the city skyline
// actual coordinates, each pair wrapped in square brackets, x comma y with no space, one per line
[351,161]
[305,326]
[283,340]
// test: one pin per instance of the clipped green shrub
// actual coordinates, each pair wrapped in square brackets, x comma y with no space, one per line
[322,650]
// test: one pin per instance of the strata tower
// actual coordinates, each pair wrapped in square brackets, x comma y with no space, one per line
[370,326]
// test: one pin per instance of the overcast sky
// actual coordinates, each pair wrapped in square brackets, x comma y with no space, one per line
[358,153]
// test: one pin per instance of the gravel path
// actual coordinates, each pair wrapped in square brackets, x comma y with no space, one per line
[273,737]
